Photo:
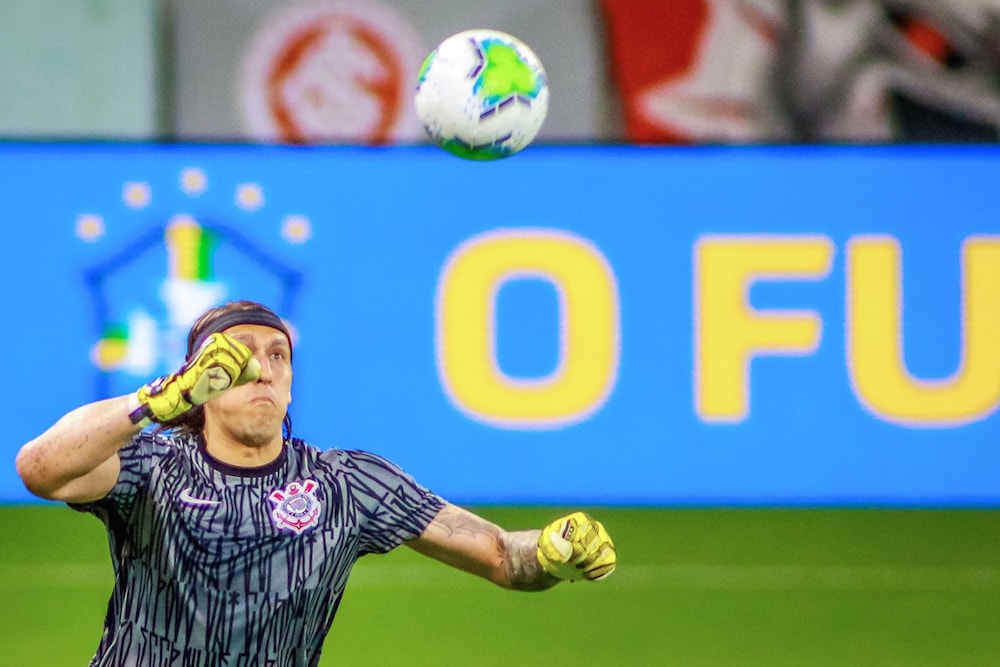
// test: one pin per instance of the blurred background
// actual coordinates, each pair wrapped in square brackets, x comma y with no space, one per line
[739,300]
[635,71]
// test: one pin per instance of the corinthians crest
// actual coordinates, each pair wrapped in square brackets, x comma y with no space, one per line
[296,506]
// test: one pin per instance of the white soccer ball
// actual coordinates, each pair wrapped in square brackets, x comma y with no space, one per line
[482,95]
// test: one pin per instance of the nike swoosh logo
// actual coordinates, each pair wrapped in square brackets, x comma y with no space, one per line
[186,498]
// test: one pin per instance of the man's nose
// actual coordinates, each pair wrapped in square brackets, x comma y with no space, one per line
[265,368]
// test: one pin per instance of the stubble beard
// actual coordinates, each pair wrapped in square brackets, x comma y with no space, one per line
[258,432]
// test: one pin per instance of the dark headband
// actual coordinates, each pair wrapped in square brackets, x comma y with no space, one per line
[234,317]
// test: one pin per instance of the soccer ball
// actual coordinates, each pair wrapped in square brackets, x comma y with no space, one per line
[482,95]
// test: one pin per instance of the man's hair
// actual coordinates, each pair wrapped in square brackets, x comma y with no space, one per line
[215,320]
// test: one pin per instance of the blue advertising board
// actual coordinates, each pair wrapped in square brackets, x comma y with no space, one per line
[711,325]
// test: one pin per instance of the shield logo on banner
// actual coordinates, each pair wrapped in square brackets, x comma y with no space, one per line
[148,293]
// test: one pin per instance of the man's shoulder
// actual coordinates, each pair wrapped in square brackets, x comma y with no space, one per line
[153,450]
[351,456]
[154,442]
[335,461]
[341,458]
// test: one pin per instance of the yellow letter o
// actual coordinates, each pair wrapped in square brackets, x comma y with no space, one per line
[466,330]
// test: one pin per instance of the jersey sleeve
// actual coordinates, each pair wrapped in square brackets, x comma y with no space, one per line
[137,459]
[391,506]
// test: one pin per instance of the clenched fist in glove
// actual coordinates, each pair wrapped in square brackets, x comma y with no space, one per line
[576,547]
[219,363]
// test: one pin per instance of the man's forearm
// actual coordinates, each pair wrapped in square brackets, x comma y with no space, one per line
[518,551]
[80,443]
[471,543]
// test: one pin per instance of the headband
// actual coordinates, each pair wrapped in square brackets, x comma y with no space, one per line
[232,318]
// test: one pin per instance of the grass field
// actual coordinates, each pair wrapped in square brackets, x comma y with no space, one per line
[694,587]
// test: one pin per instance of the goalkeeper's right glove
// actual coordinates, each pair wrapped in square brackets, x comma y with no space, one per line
[219,363]
[577,547]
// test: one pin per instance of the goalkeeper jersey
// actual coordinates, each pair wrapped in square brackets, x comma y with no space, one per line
[217,565]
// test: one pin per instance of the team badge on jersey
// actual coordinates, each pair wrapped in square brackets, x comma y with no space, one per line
[296,506]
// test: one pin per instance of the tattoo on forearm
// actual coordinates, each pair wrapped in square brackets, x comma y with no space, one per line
[525,573]
[514,550]
[454,521]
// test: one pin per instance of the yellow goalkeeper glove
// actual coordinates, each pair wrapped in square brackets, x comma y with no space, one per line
[220,363]
[576,547]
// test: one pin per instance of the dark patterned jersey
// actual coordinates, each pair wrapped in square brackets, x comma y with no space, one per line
[216,565]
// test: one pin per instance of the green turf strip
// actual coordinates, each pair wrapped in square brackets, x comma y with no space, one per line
[694,587]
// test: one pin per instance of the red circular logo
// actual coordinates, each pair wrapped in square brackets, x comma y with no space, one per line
[332,72]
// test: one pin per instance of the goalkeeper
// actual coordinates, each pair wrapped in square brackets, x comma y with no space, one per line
[231,540]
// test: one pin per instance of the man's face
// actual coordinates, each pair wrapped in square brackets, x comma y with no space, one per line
[252,414]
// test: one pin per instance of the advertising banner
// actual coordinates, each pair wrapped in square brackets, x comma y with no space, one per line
[752,71]
[742,325]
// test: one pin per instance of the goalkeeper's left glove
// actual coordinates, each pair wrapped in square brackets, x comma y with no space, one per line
[577,547]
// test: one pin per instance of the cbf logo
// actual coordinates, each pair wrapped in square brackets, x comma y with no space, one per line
[296,507]
[154,283]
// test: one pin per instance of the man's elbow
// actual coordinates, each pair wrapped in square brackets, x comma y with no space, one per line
[32,473]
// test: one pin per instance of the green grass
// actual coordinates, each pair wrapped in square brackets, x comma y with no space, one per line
[694,587]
